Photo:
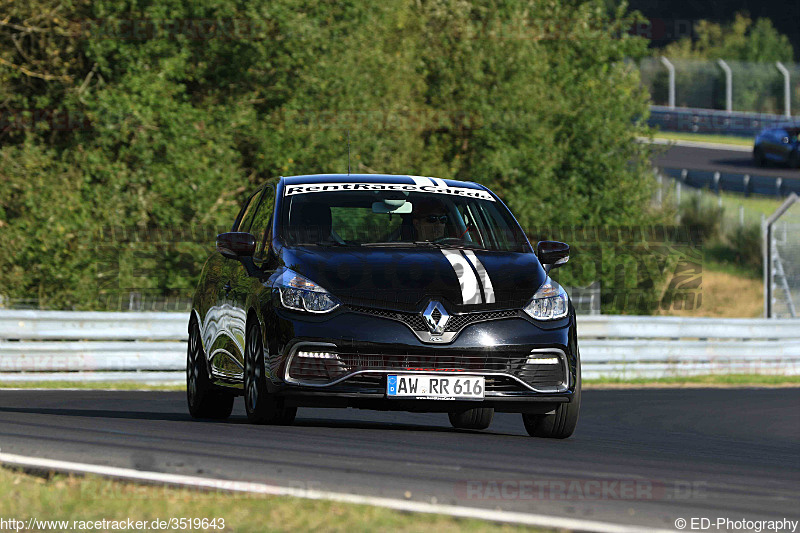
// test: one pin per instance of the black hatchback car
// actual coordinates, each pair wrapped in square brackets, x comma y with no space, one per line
[779,144]
[383,292]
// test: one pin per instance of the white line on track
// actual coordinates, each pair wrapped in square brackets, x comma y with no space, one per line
[698,144]
[178,480]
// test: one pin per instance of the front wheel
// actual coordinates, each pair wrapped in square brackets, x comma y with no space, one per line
[794,160]
[558,425]
[477,418]
[204,401]
[758,157]
[261,406]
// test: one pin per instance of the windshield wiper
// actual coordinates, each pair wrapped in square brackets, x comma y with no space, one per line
[337,243]
[420,244]
[388,243]
[462,244]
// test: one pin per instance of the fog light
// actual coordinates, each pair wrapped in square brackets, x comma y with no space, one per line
[317,355]
[538,360]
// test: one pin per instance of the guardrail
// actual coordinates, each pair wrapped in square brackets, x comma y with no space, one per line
[694,120]
[729,181]
[77,346]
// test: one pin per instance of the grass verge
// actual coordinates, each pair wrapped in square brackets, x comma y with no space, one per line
[726,291]
[754,206]
[92,385]
[92,498]
[704,137]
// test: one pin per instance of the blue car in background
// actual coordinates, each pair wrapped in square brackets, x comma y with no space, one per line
[778,144]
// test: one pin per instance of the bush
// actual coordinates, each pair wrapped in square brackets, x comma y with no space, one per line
[702,217]
[746,242]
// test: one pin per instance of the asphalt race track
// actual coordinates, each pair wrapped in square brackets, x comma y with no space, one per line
[716,159]
[659,454]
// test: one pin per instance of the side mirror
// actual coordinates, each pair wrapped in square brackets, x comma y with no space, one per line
[552,254]
[235,245]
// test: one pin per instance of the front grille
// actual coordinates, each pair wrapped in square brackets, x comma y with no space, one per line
[343,363]
[456,323]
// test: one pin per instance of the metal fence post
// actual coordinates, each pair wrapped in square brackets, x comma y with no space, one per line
[671,69]
[660,191]
[787,89]
[765,258]
[728,85]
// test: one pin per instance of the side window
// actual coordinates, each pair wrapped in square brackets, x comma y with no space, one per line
[241,213]
[262,221]
[246,218]
[502,233]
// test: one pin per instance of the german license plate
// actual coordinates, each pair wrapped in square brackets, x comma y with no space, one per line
[435,387]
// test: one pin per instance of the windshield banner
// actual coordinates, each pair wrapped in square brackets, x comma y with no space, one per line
[304,188]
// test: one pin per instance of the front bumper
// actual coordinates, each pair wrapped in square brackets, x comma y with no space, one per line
[343,361]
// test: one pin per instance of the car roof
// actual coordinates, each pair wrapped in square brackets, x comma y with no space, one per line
[379,178]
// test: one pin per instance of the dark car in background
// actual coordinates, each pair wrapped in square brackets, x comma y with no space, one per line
[779,145]
[383,292]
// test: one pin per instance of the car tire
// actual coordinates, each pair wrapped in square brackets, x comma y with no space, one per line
[477,418]
[758,157]
[560,424]
[203,399]
[261,406]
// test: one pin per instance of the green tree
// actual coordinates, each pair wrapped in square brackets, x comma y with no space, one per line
[177,110]
[742,39]
[751,50]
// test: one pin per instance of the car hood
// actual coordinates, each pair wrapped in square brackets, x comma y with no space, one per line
[408,279]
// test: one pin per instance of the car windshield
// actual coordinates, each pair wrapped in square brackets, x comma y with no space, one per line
[396,218]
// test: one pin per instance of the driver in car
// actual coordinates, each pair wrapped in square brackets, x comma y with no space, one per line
[429,220]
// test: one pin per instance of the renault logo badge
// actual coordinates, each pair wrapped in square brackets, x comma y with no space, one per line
[436,317]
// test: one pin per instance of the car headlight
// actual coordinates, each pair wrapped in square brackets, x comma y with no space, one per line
[549,303]
[301,294]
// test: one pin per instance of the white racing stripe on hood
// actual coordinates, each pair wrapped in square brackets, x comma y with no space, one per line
[427,180]
[421,180]
[470,290]
[488,290]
